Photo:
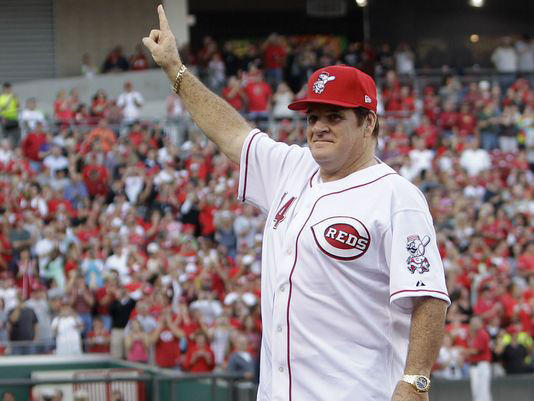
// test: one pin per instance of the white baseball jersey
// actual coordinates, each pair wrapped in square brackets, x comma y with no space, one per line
[341,262]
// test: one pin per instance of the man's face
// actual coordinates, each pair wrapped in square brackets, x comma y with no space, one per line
[334,137]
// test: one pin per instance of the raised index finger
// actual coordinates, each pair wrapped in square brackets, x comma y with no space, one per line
[163,23]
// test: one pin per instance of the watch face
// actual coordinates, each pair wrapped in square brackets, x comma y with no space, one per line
[421,383]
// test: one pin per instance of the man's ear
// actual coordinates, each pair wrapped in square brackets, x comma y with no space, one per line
[370,121]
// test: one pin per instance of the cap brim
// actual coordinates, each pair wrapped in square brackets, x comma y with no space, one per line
[304,103]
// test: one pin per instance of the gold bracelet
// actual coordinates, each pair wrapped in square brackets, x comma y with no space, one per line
[178,80]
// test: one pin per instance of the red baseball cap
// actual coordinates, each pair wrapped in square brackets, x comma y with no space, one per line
[339,85]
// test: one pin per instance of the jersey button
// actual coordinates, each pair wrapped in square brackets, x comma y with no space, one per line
[279,328]
[282,288]
[288,251]
[281,369]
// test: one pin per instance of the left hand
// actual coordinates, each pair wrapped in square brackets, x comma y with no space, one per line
[162,45]
[405,392]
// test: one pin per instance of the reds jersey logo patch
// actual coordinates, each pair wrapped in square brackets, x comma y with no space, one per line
[417,260]
[342,237]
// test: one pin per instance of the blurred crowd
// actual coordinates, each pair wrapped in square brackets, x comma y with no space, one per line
[118,236]
[116,61]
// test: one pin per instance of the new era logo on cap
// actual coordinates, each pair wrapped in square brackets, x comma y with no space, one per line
[339,85]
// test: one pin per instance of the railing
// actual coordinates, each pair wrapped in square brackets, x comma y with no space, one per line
[36,347]
[157,387]
[165,387]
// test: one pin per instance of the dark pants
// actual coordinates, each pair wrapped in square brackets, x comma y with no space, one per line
[11,131]
[22,349]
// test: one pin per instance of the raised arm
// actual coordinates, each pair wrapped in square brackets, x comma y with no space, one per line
[219,121]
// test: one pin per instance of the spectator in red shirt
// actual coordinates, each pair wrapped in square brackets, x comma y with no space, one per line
[525,262]
[275,57]
[63,112]
[259,95]
[448,119]
[486,306]
[99,105]
[529,292]
[199,357]
[98,338]
[32,143]
[137,343]
[5,250]
[407,100]
[96,177]
[466,121]
[105,295]
[479,357]
[428,132]
[57,204]
[166,338]
[206,217]
[234,94]
[138,62]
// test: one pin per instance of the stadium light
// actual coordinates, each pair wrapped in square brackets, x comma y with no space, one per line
[474,38]
[476,3]
[361,3]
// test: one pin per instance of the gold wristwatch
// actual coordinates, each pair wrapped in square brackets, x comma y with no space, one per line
[420,383]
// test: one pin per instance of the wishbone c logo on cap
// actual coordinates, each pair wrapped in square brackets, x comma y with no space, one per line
[367,99]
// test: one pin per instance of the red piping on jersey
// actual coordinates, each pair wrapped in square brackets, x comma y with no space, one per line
[311,178]
[295,263]
[246,165]
[439,292]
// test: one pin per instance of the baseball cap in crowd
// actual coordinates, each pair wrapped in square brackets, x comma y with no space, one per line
[153,247]
[37,287]
[339,85]
[513,329]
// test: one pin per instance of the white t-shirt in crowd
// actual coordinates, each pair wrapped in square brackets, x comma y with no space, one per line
[405,63]
[475,161]
[55,163]
[6,155]
[29,118]
[421,160]
[68,337]
[505,59]
[281,101]
[118,263]
[130,103]
[525,56]
[9,295]
[43,249]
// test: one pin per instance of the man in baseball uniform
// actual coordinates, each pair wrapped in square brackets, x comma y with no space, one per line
[353,289]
